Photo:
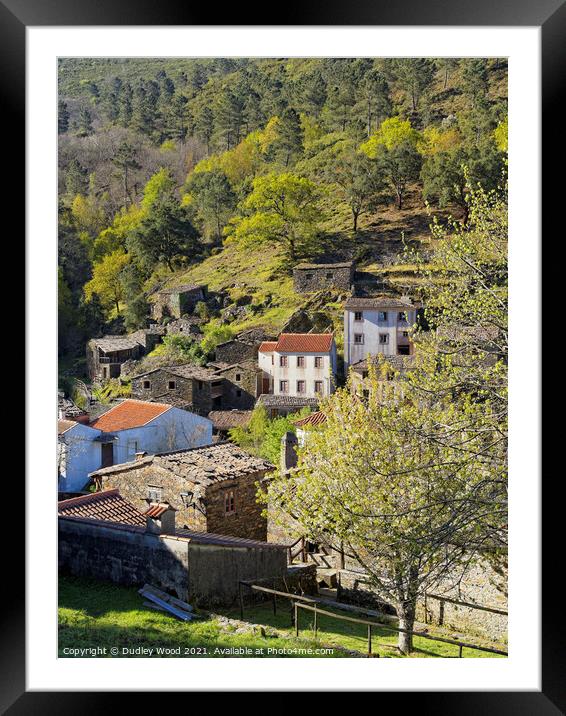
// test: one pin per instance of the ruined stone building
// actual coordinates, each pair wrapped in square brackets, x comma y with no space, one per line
[105,356]
[241,348]
[212,488]
[308,278]
[177,301]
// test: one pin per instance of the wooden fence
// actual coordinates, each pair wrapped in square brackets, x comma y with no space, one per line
[310,604]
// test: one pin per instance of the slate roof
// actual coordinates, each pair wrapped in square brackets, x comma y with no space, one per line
[129,414]
[299,343]
[318,418]
[185,288]
[344,264]
[187,370]
[202,465]
[286,401]
[225,419]
[377,302]
[110,344]
[107,505]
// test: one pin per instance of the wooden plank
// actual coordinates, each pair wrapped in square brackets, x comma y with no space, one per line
[179,613]
[168,598]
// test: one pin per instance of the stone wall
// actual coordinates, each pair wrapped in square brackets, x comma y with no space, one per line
[159,384]
[215,573]
[235,351]
[123,556]
[247,521]
[317,277]
[202,574]
[239,394]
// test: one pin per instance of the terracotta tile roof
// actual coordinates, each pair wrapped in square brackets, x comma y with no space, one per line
[202,465]
[299,343]
[225,419]
[318,418]
[156,510]
[377,302]
[64,425]
[107,505]
[129,414]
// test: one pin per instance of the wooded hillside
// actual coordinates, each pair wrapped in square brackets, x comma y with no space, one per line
[229,171]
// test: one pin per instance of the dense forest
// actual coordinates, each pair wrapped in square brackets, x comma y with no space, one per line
[229,171]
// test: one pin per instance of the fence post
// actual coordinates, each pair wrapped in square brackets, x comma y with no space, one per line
[241,601]
[296,619]
[369,639]
[460,651]
[441,613]
[425,610]
[315,622]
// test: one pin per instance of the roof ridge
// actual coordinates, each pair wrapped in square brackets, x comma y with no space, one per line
[89,497]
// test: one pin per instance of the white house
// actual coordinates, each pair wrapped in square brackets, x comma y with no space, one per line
[299,365]
[116,436]
[377,325]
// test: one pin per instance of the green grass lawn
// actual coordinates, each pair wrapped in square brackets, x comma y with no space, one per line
[352,636]
[105,616]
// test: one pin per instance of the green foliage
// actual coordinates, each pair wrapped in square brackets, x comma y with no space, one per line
[500,135]
[163,236]
[106,281]
[112,389]
[215,334]
[281,207]
[137,306]
[262,436]
[212,199]
[176,349]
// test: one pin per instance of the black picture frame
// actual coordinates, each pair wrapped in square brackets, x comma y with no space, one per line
[550,16]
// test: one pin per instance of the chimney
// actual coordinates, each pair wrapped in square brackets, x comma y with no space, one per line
[288,452]
[160,518]
[139,455]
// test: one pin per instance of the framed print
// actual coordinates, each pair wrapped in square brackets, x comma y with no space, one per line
[283,291]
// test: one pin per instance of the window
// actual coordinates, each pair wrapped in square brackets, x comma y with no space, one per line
[382,315]
[238,394]
[300,361]
[229,502]
[238,377]
[405,334]
[359,338]
[318,386]
[283,386]
[283,361]
[200,384]
[171,385]
[402,316]
[300,386]
[147,384]
[154,493]
[309,276]
[358,316]
[133,448]
[404,350]
[318,361]
[330,275]
[384,338]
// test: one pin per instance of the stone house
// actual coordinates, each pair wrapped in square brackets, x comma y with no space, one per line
[212,488]
[300,365]
[119,433]
[377,325]
[176,301]
[199,389]
[105,356]
[104,536]
[241,348]
[216,387]
[308,278]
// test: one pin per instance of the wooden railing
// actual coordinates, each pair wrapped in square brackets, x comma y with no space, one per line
[442,599]
[310,604]
[301,550]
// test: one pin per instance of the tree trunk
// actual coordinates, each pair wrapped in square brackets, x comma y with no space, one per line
[399,200]
[406,613]
[355,217]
